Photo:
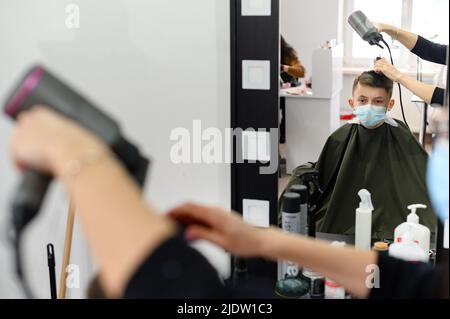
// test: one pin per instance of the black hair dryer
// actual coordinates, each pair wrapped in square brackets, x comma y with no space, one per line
[40,87]
[365,28]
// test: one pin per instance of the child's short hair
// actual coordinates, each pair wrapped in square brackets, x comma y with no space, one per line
[376,80]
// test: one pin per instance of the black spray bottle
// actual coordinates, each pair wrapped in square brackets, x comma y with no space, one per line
[302,190]
[289,284]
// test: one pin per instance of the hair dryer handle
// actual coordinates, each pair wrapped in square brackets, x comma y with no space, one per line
[29,197]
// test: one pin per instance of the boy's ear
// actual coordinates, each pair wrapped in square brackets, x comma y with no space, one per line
[391,105]
[351,102]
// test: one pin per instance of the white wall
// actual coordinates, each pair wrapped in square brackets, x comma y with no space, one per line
[307,24]
[154,64]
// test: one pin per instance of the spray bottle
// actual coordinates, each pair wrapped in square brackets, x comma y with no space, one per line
[302,190]
[290,224]
[289,284]
[363,225]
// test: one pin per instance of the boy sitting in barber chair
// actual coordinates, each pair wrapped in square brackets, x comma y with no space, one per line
[373,152]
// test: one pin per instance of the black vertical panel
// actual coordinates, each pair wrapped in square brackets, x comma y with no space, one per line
[441,252]
[255,38]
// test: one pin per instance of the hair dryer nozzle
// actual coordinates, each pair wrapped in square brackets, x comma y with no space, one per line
[28,84]
[365,28]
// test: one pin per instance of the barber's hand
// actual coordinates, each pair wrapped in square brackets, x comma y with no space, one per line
[46,141]
[220,227]
[382,27]
[383,66]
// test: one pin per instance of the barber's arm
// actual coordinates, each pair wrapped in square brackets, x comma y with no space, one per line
[427,92]
[353,269]
[418,45]
[346,266]
[121,228]
[408,39]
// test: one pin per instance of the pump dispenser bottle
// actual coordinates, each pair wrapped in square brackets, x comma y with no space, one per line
[420,234]
[407,249]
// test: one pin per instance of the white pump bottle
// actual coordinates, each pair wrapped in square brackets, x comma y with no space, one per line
[420,234]
[407,249]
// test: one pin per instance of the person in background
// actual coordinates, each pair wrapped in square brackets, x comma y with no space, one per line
[291,71]
[291,67]
[424,49]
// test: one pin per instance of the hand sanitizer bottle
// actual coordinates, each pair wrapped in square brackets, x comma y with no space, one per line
[407,249]
[421,235]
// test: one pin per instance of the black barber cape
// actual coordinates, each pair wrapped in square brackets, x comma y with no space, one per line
[388,162]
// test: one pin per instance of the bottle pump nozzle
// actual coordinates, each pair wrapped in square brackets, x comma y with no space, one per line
[366,200]
[413,217]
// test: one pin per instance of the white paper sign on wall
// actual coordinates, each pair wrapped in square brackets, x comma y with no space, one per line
[257,212]
[256,75]
[256,7]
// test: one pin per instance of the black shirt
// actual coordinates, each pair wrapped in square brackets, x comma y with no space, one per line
[404,280]
[176,271]
[436,53]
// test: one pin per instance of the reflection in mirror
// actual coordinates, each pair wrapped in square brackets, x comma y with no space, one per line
[341,134]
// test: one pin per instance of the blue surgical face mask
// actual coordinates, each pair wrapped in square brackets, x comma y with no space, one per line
[438,179]
[371,116]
